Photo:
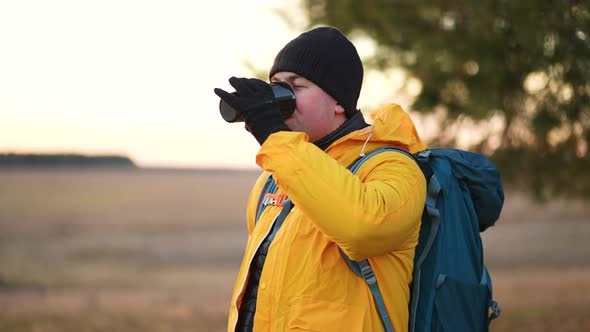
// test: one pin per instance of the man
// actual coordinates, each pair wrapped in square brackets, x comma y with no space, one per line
[296,278]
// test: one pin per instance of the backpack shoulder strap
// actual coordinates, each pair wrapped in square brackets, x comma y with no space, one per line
[432,184]
[363,268]
[269,187]
[354,167]
[431,214]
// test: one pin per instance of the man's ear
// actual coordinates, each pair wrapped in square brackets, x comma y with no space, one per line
[339,109]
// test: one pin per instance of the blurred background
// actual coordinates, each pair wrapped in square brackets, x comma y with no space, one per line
[123,192]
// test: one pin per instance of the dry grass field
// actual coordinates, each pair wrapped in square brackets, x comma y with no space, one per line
[157,250]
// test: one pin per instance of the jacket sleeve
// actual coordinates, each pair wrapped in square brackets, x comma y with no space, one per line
[367,215]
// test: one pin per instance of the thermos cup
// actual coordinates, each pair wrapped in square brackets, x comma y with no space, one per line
[283,95]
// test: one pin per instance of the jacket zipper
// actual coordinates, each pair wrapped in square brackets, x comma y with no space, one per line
[235,304]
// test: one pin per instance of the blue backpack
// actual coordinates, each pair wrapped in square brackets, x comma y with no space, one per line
[451,288]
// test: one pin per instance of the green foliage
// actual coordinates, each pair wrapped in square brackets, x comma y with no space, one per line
[527,62]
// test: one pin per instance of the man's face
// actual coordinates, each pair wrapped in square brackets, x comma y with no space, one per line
[316,113]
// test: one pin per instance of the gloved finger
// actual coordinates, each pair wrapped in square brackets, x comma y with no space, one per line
[241,85]
[227,97]
[258,84]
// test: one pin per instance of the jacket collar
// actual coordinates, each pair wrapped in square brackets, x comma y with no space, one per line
[356,122]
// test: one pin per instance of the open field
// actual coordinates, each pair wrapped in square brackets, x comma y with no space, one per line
[155,250]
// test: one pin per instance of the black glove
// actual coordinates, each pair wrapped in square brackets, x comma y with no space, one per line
[255,101]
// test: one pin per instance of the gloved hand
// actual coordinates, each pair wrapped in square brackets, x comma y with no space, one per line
[255,101]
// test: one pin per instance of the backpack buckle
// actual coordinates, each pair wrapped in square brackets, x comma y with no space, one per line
[368,274]
[496,310]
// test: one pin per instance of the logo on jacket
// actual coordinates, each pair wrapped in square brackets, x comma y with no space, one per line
[274,199]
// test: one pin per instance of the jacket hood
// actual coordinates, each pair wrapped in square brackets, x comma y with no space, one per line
[392,126]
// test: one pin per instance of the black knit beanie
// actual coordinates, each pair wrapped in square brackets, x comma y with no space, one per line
[328,59]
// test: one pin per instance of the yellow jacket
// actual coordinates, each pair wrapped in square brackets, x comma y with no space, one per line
[305,283]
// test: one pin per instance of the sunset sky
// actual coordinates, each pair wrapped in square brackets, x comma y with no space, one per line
[136,77]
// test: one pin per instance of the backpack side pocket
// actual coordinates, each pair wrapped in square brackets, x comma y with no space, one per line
[460,305]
